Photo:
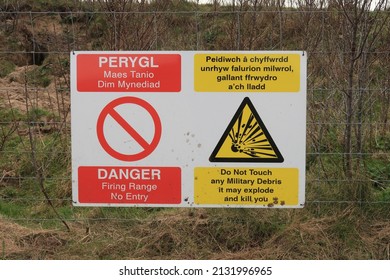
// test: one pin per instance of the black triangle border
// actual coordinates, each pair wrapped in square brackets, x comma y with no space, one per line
[245,102]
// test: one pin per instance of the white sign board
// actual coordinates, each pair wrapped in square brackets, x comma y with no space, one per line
[188,129]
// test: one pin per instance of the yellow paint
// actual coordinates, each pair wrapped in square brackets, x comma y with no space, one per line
[263,187]
[246,139]
[224,72]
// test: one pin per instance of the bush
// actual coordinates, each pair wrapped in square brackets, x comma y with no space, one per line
[6,67]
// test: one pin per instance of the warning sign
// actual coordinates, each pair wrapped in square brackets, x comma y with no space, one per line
[146,147]
[132,185]
[250,72]
[246,139]
[267,187]
[188,128]
[118,72]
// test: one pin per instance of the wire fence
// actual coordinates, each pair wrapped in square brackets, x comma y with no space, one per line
[348,135]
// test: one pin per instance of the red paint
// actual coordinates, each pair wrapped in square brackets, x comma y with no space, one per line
[113,72]
[129,185]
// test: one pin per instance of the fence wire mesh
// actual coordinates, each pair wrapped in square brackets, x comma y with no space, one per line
[348,136]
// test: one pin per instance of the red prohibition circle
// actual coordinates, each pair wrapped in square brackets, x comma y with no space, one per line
[109,109]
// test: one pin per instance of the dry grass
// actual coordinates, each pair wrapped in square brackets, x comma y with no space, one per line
[20,242]
[202,234]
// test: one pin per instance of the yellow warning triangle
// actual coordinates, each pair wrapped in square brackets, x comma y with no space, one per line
[246,139]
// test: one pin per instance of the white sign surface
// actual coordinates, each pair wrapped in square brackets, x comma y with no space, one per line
[188,129]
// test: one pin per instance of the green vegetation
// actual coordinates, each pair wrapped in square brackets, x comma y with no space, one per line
[39,76]
[6,67]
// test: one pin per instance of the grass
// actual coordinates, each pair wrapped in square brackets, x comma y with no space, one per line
[6,67]
[39,76]
[102,233]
